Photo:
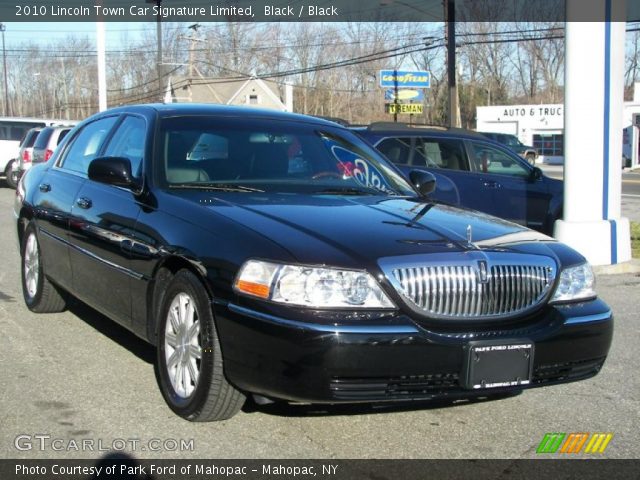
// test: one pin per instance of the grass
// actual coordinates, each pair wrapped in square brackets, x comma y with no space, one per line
[635,239]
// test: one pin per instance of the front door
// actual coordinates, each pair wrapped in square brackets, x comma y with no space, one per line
[102,229]
[517,196]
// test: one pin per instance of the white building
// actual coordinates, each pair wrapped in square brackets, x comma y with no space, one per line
[542,126]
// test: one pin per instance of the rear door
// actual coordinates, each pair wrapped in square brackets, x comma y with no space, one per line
[102,229]
[56,194]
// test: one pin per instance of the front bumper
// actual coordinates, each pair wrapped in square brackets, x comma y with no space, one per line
[389,357]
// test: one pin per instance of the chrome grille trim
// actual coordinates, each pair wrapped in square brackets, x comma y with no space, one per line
[450,286]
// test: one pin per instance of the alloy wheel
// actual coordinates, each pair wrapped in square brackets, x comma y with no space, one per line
[182,348]
[31,265]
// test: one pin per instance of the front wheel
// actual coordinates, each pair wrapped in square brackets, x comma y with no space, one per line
[11,172]
[189,363]
[40,295]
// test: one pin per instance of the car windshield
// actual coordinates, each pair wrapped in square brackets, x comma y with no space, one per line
[249,155]
[511,140]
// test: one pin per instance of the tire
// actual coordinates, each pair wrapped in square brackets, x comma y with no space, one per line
[189,363]
[40,295]
[11,173]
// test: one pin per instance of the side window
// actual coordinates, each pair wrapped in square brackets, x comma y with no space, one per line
[488,159]
[440,153]
[86,144]
[128,142]
[396,149]
[63,134]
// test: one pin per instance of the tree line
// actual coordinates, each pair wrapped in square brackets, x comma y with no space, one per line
[333,67]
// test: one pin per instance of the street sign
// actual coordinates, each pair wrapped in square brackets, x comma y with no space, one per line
[406,108]
[404,94]
[403,78]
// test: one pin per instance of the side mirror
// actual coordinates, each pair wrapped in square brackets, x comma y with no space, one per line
[536,174]
[112,171]
[424,182]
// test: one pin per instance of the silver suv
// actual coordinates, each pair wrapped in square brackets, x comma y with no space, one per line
[48,140]
[26,153]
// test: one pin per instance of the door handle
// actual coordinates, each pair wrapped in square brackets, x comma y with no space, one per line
[45,187]
[491,184]
[83,202]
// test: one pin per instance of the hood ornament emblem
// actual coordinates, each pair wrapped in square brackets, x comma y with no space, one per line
[483,272]
[469,234]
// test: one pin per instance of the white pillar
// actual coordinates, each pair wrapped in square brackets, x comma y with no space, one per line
[102,76]
[594,94]
[288,96]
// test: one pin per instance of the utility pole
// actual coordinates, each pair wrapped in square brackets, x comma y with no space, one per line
[192,46]
[4,62]
[102,66]
[64,86]
[453,112]
[159,66]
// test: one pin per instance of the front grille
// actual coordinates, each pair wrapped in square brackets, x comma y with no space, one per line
[472,290]
[432,385]
[567,371]
[406,386]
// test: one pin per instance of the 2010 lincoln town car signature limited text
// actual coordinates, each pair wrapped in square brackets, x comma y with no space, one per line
[281,256]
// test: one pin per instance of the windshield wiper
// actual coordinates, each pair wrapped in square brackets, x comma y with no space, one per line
[346,191]
[223,187]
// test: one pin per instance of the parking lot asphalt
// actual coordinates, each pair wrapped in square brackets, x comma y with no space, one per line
[77,376]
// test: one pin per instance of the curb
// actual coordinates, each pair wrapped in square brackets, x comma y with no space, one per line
[632,266]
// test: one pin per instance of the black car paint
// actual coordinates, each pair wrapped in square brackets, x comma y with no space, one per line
[109,254]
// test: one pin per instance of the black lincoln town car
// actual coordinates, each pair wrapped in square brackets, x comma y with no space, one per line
[280,256]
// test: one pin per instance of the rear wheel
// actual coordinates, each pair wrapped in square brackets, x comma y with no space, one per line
[11,172]
[189,363]
[40,295]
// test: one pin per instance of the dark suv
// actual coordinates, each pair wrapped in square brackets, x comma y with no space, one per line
[472,171]
[513,143]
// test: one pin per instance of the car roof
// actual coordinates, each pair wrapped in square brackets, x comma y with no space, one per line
[497,133]
[395,128]
[195,109]
[53,128]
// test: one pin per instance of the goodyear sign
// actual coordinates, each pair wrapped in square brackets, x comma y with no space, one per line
[408,108]
[401,78]
[404,94]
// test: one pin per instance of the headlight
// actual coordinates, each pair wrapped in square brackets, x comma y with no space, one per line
[575,283]
[314,287]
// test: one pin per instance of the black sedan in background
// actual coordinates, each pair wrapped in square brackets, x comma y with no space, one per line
[281,256]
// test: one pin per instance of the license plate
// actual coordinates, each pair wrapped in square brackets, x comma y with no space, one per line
[498,364]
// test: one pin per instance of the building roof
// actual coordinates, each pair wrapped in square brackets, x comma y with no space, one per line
[218,90]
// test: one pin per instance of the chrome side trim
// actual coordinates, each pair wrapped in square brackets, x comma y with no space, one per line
[115,266]
[596,317]
[316,327]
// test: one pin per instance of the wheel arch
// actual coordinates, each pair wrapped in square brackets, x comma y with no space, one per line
[163,273]
[24,219]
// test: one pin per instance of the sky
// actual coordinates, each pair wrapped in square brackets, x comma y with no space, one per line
[42,33]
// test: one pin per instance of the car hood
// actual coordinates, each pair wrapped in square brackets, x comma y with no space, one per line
[351,230]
